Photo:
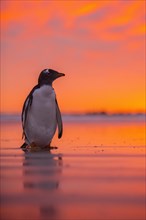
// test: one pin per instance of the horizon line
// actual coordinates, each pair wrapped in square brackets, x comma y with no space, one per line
[86,113]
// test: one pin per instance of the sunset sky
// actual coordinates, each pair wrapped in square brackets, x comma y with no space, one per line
[99,45]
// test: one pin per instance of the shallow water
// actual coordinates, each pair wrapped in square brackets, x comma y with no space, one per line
[97,173]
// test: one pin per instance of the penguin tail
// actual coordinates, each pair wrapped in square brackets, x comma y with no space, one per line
[23,145]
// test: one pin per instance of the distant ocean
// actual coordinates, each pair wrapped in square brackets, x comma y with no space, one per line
[85,117]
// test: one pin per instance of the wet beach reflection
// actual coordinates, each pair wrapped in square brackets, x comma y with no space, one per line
[41,175]
[101,174]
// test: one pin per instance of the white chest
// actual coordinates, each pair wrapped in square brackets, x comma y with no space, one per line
[43,109]
[41,119]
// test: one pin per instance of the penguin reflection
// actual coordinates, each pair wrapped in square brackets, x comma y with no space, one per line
[41,175]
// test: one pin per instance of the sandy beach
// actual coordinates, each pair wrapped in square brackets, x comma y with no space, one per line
[97,172]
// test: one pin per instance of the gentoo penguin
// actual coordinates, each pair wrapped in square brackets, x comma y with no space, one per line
[40,114]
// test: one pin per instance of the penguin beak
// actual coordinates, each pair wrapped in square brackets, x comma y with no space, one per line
[60,74]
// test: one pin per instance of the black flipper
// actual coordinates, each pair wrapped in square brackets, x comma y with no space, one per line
[27,104]
[59,120]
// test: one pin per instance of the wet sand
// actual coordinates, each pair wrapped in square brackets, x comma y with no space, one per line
[97,173]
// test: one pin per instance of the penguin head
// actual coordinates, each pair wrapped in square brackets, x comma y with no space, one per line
[47,76]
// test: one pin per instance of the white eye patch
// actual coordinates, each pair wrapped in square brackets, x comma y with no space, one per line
[46,71]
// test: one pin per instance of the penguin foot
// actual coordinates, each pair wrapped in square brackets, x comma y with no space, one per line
[33,147]
[50,147]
